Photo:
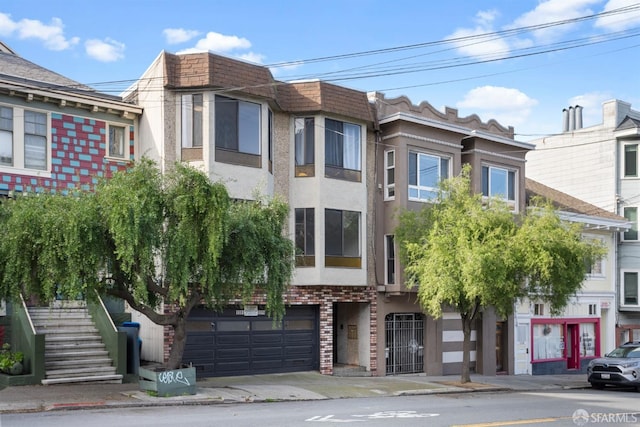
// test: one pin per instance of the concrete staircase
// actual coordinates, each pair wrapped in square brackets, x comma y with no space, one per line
[74,351]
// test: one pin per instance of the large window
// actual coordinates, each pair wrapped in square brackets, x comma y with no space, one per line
[117,142]
[237,125]
[425,172]
[342,238]
[35,140]
[6,136]
[499,182]
[630,295]
[192,107]
[342,150]
[631,160]
[389,175]
[548,341]
[390,255]
[631,214]
[304,130]
[305,237]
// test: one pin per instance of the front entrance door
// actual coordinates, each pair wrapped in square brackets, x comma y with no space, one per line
[404,346]
[573,346]
[522,356]
[501,346]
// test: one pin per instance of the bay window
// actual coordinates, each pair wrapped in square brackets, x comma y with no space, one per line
[305,237]
[237,131]
[192,108]
[499,182]
[425,172]
[342,238]
[304,131]
[342,150]
[630,295]
[389,175]
[631,214]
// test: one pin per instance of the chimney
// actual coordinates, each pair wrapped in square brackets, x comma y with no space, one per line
[578,117]
[565,120]
[572,118]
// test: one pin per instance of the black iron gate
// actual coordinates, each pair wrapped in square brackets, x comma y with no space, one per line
[404,346]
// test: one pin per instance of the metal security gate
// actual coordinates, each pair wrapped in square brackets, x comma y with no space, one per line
[404,346]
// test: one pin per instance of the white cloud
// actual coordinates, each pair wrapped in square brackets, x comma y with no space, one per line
[51,34]
[485,47]
[179,35]
[107,50]
[622,21]
[256,58]
[552,11]
[508,106]
[591,104]
[219,43]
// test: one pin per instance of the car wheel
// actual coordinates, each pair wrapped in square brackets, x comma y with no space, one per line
[597,386]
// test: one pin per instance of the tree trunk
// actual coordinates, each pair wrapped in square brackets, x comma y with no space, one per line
[465,376]
[179,341]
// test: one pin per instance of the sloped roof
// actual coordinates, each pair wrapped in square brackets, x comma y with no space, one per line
[628,123]
[567,203]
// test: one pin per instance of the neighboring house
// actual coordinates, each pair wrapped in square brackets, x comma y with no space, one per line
[599,164]
[310,143]
[56,135]
[546,344]
[419,146]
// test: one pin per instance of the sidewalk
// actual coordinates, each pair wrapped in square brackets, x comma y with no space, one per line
[269,388]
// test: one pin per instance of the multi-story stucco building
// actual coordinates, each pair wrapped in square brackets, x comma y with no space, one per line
[309,143]
[599,164]
[419,146]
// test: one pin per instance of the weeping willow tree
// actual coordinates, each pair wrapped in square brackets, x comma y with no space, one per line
[468,255]
[148,239]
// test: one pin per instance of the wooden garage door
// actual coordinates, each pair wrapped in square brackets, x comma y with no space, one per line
[234,343]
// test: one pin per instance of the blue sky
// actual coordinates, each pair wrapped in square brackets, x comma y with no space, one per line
[475,55]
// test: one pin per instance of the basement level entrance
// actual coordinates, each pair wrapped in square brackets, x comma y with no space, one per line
[404,344]
[243,341]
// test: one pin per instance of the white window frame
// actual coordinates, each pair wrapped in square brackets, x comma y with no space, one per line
[18,143]
[600,261]
[125,141]
[389,175]
[624,158]
[420,188]
[512,203]
[634,227]
[6,134]
[623,272]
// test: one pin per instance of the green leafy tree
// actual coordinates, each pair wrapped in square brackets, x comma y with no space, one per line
[148,238]
[466,254]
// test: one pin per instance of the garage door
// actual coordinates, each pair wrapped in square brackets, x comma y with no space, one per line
[241,341]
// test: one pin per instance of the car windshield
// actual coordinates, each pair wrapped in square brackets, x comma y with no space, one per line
[625,352]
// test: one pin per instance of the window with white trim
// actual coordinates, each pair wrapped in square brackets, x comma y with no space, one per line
[425,173]
[24,138]
[6,136]
[597,268]
[499,183]
[630,292]
[118,141]
[192,124]
[630,160]
[631,214]
[389,174]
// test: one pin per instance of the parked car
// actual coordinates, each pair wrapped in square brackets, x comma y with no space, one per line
[620,368]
